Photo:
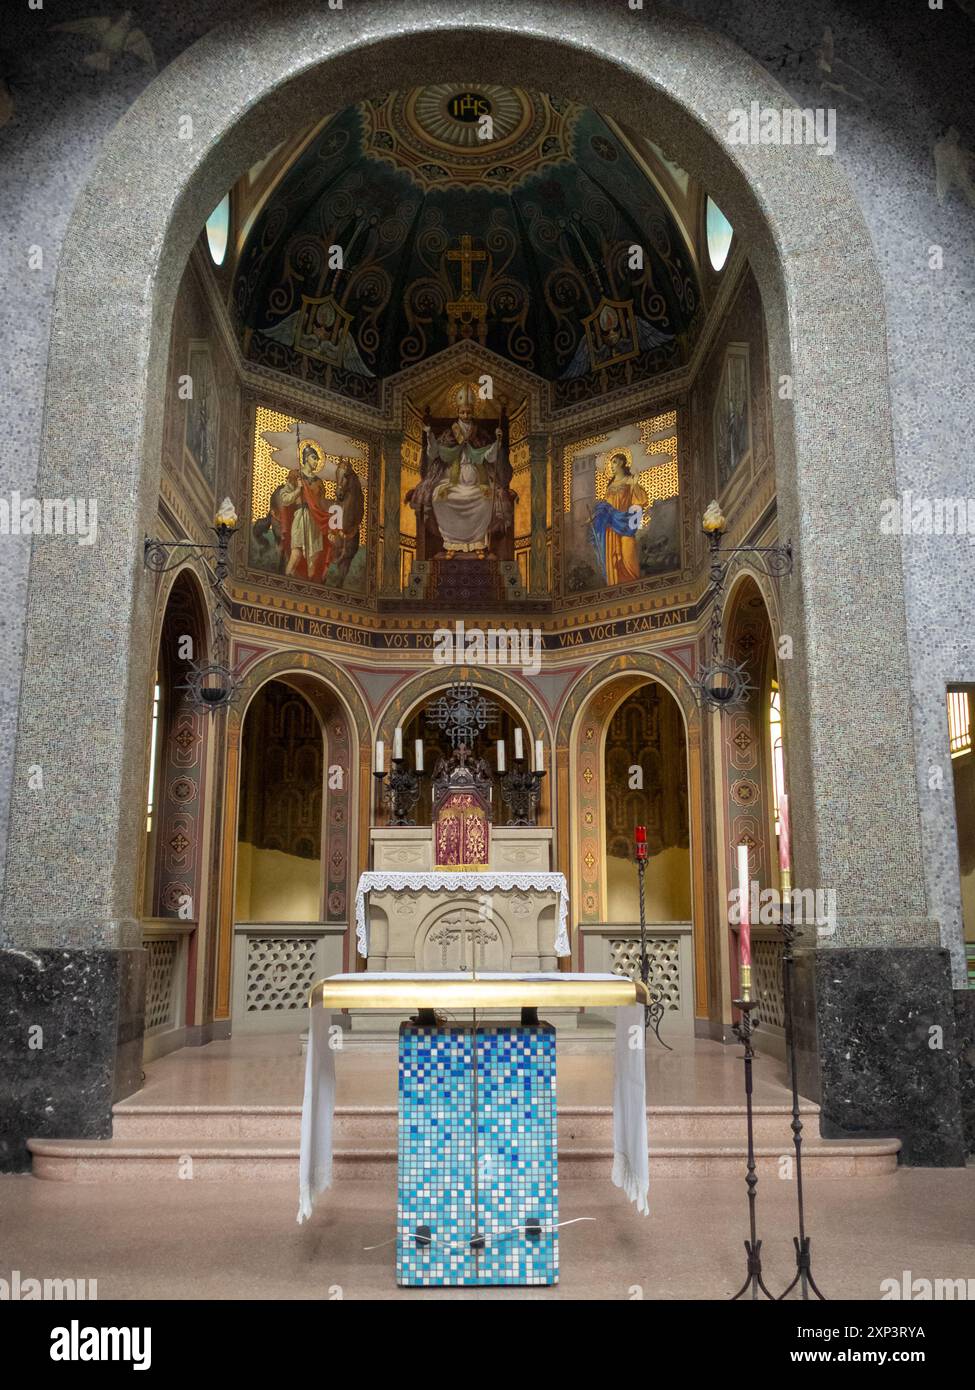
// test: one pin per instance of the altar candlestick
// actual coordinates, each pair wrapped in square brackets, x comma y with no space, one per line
[380,752]
[500,756]
[519,746]
[418,748]
[744,888]
[397,742]
[539,755]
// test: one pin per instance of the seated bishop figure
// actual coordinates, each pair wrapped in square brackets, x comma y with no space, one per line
[461,485]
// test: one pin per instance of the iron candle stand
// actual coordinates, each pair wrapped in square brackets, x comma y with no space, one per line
[401,792]
[521,791]
[654,1008]
[753,1246]
[803,1275]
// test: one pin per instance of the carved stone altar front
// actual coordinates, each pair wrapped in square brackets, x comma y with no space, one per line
[513,930]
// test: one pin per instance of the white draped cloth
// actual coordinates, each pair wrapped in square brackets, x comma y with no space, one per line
[630,1156]
[378,880]
[631,1159]
[317,1114]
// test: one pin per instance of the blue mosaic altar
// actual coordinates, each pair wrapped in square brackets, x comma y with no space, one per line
[460,1182]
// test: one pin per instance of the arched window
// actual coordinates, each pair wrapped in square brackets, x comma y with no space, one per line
[153,754]
[778,756]
[218,230]
[719,234]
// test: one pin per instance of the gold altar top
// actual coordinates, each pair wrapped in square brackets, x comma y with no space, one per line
[557,989]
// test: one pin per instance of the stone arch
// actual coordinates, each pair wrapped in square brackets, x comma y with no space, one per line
[749,638]
[344,743]
[174,882]
[823,299]
[516,693]
[192,576]
[583,722]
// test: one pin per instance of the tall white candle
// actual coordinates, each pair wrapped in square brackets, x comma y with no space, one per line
[500,756]
[418,748]
[519,746]
[785,842]
[744,889]
[539,755]
[397,742]
[380,752]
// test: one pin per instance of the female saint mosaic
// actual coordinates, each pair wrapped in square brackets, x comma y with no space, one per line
[616,522]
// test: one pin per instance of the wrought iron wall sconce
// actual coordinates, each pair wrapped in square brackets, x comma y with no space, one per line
[721,683]
[208,685]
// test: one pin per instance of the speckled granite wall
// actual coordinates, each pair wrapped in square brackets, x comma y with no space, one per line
[896,80]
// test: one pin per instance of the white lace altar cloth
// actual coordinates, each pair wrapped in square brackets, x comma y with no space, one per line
[378,880]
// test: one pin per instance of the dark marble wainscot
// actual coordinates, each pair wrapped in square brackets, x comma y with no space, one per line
[965,1042]
[866,1019]
[71,1026]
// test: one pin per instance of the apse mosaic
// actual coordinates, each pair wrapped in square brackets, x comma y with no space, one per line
[202,412]
[400,231]
[732,415]
[621,497]
[308,502]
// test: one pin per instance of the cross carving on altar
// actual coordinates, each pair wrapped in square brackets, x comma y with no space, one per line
[461,929]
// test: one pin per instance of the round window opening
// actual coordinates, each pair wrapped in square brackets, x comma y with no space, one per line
[218,230]
[720,232]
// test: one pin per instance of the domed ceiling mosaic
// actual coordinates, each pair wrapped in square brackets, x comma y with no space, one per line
[400,230]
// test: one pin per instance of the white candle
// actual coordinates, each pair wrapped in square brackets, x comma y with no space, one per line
[785,844]
[397,742]
[519,747]
[380,750]
[539,755]
[418,747]
[744,888]
[500,756]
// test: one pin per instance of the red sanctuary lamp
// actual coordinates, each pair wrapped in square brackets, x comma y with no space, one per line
[641,842]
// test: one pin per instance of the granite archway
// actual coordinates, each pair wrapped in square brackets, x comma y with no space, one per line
[244,87]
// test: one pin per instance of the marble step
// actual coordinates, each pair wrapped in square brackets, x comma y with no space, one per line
[140,1160]
[371,1124]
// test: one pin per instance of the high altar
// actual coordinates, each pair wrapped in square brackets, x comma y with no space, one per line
[426,929]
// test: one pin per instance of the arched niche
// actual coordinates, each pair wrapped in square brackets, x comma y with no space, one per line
[583,724]
[177,740]
[744,753]
[177,902]
[518,703]
[280,815]
[344,723]
[644,782]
